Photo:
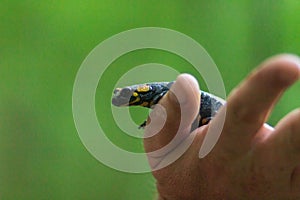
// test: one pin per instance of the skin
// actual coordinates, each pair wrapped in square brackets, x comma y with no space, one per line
[251,160]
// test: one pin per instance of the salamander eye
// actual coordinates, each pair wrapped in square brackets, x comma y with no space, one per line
[117,90]
[126,92]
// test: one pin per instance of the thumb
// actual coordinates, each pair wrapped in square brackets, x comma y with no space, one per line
[172,117]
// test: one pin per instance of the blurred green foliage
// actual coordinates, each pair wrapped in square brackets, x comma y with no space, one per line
[42,45]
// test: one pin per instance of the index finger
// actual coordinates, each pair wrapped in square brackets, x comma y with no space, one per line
[249,105]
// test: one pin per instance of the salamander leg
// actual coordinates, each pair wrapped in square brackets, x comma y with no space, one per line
[142,125]
[204,121]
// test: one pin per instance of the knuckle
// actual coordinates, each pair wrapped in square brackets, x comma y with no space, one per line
[244,114]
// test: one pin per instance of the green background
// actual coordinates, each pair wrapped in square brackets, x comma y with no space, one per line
[42,45]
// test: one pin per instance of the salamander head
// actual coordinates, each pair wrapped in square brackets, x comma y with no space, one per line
[144,95]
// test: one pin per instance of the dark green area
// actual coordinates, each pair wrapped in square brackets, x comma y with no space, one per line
[42,45]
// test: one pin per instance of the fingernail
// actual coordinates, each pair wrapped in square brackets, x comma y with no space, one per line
[184,83]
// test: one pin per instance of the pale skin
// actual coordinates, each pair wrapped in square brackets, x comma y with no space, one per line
[251,160]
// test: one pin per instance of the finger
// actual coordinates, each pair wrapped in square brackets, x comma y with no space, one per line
[250,104]
[286,139]
[283,148]
[173,115]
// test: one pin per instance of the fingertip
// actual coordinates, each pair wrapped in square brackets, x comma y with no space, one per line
[285,57]
[184,89]
[284,68]
[188,79]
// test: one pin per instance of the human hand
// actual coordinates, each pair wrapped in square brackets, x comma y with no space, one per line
[251,160]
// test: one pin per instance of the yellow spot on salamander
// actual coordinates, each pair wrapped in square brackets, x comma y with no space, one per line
[204,121]
[143,88]
[136,100]
[135,94]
